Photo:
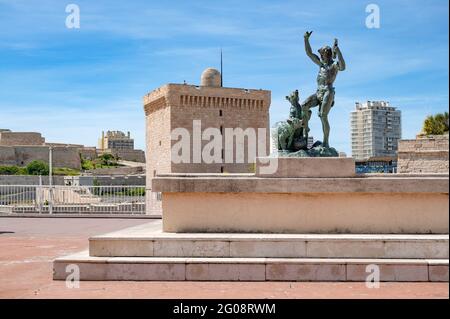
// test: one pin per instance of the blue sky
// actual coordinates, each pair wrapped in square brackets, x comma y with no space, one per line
[70,84]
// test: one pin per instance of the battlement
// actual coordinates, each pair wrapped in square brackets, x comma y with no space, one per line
[206,97]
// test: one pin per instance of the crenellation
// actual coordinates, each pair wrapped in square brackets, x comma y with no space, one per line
[210,102]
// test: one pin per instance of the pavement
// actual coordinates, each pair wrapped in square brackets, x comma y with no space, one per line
[29,245]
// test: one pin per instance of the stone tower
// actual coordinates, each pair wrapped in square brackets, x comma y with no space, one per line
[176,106]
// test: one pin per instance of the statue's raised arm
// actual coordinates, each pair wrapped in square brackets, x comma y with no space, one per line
[308,49]
[340,58]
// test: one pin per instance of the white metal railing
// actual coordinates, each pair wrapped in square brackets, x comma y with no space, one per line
[72,199]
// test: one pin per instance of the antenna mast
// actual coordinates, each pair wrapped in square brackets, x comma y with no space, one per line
[221,68]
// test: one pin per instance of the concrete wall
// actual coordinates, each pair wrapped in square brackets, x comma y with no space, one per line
[132,180]
[424,155]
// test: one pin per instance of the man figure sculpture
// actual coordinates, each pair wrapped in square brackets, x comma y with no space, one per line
[324,96]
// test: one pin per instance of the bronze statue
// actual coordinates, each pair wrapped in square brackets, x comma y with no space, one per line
[324,96]
[293,133]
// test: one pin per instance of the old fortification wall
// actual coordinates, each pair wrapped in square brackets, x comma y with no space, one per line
[89,153]
[23,155]
[428,154]
[21,138]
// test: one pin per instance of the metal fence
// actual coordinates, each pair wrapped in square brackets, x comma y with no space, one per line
[72,199]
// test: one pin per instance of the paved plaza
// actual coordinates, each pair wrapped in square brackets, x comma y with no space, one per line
[29,245]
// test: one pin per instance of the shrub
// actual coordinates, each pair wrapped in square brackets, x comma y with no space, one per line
[9,170]
[107,160]
[87,164]
[37,168]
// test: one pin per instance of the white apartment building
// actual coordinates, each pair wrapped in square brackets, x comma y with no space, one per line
[375,130]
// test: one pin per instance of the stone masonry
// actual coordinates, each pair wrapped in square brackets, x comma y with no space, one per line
[21,148]
[428,154]
[22,155]
[175,106]
[8,138]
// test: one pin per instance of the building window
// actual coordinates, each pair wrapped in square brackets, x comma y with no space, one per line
[220,113]
[221,169]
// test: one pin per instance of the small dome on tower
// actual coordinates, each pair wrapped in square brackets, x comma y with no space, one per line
[211,77]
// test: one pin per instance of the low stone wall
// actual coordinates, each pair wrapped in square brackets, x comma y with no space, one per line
[428,154]
[122,170]
[130,155]
[28,180]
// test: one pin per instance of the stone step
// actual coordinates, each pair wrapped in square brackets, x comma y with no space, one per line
[248,269]
[148,241]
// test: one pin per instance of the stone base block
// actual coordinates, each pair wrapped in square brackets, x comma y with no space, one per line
[305,167]
[246,269]
[379,204]
[149,241]
[311,213]
[144,252]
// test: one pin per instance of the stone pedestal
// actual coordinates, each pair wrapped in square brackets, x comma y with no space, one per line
[309,220]
[305,195]
[332,167]
[145,253]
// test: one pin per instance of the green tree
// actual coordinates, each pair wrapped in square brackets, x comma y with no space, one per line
[436,124]
[108,160]
[37,168]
